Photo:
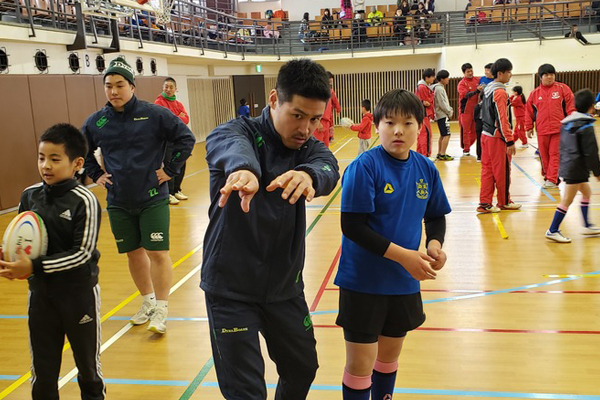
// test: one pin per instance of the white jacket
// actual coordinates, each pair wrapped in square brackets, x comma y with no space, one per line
[441,103]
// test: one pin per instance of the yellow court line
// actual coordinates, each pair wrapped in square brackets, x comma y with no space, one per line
[572,276]
[496,219]
[67,345]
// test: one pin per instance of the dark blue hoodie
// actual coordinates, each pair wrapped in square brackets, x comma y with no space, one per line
[133,146]
[259,256]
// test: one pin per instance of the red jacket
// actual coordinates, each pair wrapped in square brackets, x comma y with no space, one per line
[175,106]
[467,91]
[364,128]
[494,113]
[547,106]
[424,93]
[516,102]
[333,102]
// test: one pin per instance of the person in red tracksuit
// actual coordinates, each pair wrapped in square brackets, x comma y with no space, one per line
[168,100]
[324,132]
[426,95]
[468,92]
[547,106]
[497,142]
[364,128]
[518,101]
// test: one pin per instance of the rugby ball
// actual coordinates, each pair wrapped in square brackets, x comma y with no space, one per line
[597,106]
[26,230]
[346,122]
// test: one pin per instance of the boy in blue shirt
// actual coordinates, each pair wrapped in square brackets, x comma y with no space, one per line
[386,194]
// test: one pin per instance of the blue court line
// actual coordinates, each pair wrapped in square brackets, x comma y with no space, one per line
[473,296]
[548,195]
[9,377]
[463,393]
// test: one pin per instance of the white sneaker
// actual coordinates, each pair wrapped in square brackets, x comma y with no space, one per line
[550,185]
[466,153]
[591,230]
[181,196]
[158,321]
[557,237]
[173,200]
[525,146]
[432,159]
[142,316]
[511,206]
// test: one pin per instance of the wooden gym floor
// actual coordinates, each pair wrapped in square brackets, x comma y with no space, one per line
[511,314]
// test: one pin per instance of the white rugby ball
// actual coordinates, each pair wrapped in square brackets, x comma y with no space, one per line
[27,231]
[346,122]
[597,106]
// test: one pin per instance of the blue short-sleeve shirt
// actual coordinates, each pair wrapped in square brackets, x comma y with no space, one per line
[397,195]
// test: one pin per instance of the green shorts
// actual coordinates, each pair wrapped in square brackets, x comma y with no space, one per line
[146,227]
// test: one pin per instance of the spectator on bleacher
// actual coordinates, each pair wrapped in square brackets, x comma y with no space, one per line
[421,11]
[415,4]
[399,25]
[423,26]
[359,6]
[303,32]
[270,32]
[375,17]
[359,30]
[500,2]
[403,5]
[326,20]
[429,6]
[577,35]
[596,11]
[346,9]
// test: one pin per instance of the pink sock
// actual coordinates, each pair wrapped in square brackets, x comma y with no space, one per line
[356,382]
[386,368]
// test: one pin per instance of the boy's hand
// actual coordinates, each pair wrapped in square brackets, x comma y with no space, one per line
[426,103]
[104,180]
[530,133]
[434,250]
[19,269]
[162,176]
[244,182]
[298,182]
[417,265]
[2,254]
[511,150]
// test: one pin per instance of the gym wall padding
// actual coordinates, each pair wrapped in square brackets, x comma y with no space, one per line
[18,144]
[81,98]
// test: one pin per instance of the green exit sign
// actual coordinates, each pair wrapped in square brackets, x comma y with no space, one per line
[258,68]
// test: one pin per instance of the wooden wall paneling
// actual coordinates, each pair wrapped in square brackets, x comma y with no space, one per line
[224,99]
[270,83]
[202,107]
[48,101]
[99,92]
[18,142]
[81,98]
[147,88]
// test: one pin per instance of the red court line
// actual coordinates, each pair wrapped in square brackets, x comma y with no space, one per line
[486,291]
[491,330]
[315,303]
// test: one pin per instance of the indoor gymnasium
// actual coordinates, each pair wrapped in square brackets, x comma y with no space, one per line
[195,195]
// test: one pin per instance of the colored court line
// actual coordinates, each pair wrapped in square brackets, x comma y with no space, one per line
[548,195]
[315,303]
[67,345]
[464,393]
[515,292]
[490,330]
[496,218]
[573,276]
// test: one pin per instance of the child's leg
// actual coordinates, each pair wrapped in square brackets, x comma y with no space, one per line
[46,337]
[386,367]
[544,149]
[360,359]
[486,192]
[565,201]
[586,191]
[501,170]
[81,318]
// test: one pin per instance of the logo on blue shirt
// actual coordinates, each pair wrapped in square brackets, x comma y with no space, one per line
[422,192]
[388,188]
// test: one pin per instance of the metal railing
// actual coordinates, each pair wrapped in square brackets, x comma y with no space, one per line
[200,27]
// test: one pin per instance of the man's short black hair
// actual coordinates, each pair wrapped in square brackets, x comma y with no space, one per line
[366,103]
[302,77]
[69,136]
[546,69]
[501,65]
[466,66]
[442,74]
[399,102]
[488,66]
[169,79]
[428,73]
[584,100]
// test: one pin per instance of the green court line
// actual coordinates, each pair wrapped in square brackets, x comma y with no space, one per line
[197,380]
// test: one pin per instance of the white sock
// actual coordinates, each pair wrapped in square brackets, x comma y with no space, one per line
[162,303]
[150,298]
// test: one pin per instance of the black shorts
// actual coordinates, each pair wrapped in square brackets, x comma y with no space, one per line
[365,317]
[444,126]
[574,181]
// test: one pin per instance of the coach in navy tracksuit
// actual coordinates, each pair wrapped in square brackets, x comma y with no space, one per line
[254,244]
